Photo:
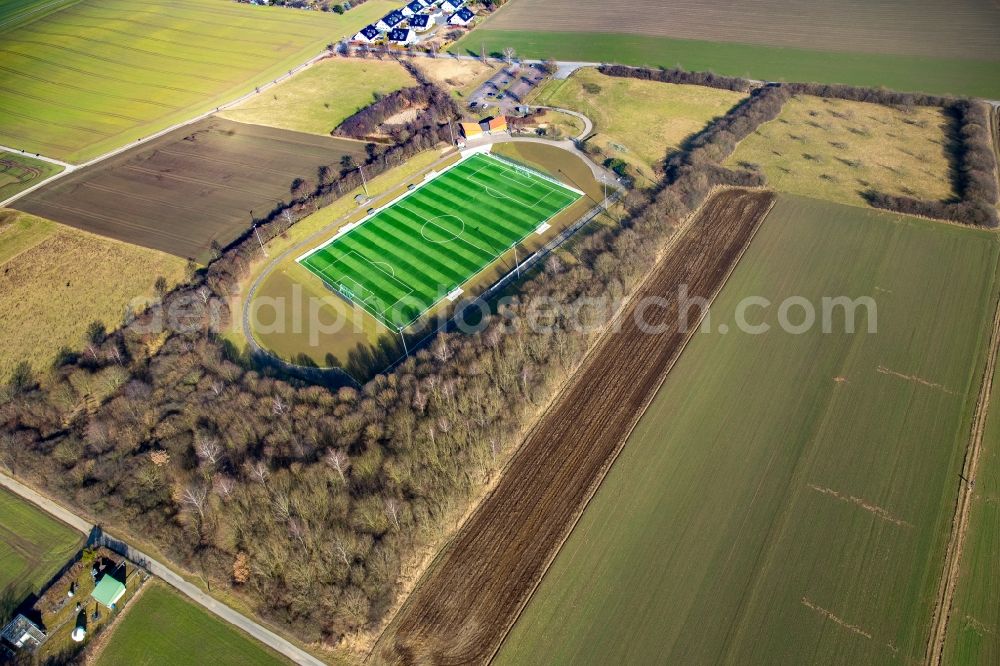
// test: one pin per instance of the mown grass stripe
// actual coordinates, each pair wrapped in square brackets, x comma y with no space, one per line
[413,268]
[430,211]
[424,269]
[435,255]
[332,267]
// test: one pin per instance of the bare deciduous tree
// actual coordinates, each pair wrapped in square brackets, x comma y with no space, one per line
[339,461]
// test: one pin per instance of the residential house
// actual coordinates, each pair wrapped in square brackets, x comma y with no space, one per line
[421,23]
[402,36]
[368,35]
[390,20]
[462,17]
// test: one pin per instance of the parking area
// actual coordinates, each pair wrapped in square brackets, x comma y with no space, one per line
[508,88]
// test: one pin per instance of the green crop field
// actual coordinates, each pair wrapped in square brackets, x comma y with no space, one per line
[973,635]
[81,78]
[164,628]
[957,76]
[18,173]
[787,498]
[418,250]
[320,98]
[33,547]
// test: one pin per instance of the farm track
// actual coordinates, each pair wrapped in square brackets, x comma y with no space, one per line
[963,505]
[473,593]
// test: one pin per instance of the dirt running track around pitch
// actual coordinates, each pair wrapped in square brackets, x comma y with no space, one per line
[471,595]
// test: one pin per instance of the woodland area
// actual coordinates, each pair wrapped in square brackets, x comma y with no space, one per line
[311,501]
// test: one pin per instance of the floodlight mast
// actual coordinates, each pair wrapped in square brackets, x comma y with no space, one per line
[257,233]
[364,183]
[403,338]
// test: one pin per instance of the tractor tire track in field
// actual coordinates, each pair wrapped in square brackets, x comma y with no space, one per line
[472,594]
[963,505]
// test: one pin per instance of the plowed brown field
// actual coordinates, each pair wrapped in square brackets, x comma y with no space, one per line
[472,594]
[192,186]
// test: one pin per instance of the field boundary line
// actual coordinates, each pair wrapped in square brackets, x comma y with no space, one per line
[606,468]
[963,504]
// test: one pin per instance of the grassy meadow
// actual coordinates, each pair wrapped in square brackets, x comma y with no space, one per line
[460,77]
[55,280]
[318,99]
[163,627]
[637,121]
[33,547]
[957,76]
[796,507]
[18,173]
[837,149]
[97,75]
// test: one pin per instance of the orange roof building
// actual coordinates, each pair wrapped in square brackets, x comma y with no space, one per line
[495,124]
[471,130]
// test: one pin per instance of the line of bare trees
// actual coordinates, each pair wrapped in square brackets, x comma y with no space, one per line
[673,75]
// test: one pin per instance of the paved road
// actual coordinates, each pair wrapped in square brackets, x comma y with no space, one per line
[160,570]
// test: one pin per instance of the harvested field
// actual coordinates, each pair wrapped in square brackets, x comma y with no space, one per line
[959,29]
[82,78]
[55,281]
[462,608]
[836,150]
[190,187]
[320,98]
[788,494]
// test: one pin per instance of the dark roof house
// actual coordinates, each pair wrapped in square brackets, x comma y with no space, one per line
[401,36]
[369,33]
[390,20]
[463,16]
[420,22]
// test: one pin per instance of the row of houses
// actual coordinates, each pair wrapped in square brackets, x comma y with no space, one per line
[401,26]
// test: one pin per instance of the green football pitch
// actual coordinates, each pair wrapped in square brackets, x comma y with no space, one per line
[422,247]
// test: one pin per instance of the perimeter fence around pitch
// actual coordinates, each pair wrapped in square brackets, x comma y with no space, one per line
[513,274]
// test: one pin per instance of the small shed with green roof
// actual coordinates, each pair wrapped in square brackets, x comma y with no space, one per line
[108,591]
